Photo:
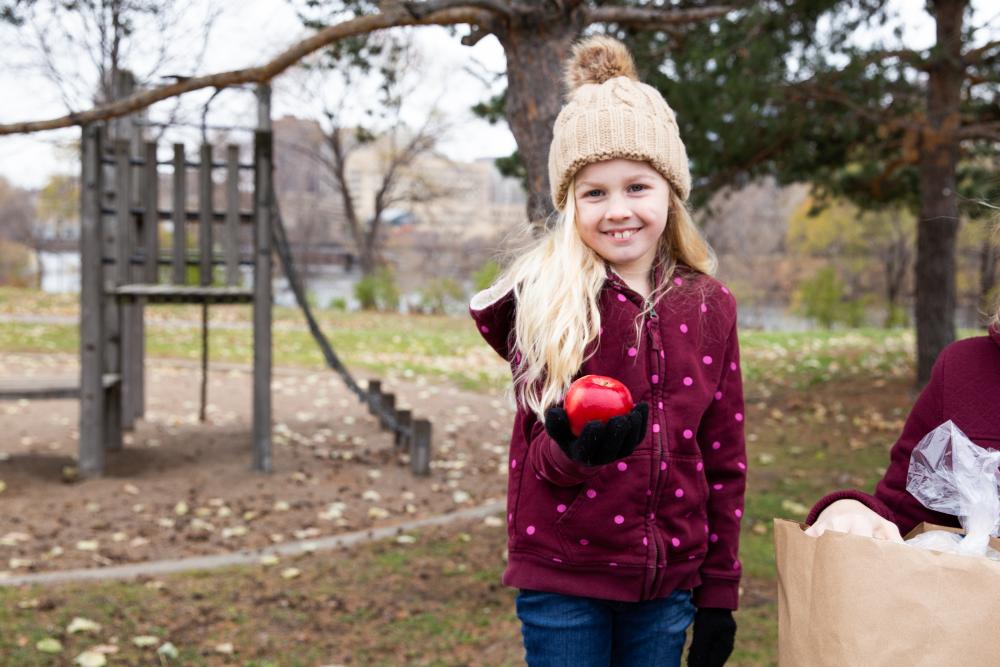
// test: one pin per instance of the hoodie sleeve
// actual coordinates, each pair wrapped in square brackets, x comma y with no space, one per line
[720,436]
[891,499]
[493,310]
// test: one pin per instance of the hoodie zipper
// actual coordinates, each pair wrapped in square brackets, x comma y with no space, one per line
[656,345]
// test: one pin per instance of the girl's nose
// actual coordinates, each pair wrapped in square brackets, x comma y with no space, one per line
[618,209]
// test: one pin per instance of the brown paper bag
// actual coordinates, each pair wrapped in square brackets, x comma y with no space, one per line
[849,601]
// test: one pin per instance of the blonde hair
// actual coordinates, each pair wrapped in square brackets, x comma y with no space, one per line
[557,284]
[995,322]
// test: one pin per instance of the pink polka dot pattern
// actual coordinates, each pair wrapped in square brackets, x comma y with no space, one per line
[732,365]
[676,542]
[591,493]
[663,355]
[560,508]
[663,465]
[725,291]
[612,564]
[619,519]
[513,463]
[656,428]
[510,517]
[699,466]
[717,487]
[713,537]
[557,559]
[660,405]
[678,281]
[684,328]
[655,378]
[484,329]
[632,352]
[741,465]
[622,466]
[584,542]
[716,445]
[621,297]
[736,565]
[688,381]
[707,360]
[679,493]
[688,434]
[739,416]
[530,530]
[738,513]
[645,541]
[704,308]
[718,395]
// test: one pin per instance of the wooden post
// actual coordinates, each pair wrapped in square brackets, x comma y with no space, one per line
[374,396]
[205,218]
[179,263]
[263,202]
[420,448]
[404,435]
[91,447]
[117,339]
[388,408]
[231,245]
[151,215]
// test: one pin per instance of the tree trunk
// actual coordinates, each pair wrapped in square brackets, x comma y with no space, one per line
[536,47]
[938,226]
[987,273]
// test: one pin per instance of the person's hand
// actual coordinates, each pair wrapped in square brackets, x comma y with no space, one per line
[853,517]
[598,443]
[713,638]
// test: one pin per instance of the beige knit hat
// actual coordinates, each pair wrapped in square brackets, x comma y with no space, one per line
[611,114]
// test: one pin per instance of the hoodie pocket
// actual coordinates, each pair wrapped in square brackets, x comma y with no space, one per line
[605,523]
[682,512]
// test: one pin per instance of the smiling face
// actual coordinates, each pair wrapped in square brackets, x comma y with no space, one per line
[621,211]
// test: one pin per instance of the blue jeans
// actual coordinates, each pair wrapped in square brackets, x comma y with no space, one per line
[564,630]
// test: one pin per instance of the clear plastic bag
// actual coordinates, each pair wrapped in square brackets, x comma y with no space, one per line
[949,473]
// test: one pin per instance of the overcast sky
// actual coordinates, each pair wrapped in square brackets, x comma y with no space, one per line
[249,32]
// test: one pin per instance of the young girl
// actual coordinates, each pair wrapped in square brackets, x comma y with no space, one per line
[618,538]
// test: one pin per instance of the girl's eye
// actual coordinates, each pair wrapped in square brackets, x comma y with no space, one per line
[595,193]
[638,185]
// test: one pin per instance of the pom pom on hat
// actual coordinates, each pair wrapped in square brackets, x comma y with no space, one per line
[597,59]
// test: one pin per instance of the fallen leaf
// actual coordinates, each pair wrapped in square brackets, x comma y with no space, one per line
[91,659]
[168,650]
[142,641]
[80,624]
[87,545]
[225,648]
[49,645]
[290,573]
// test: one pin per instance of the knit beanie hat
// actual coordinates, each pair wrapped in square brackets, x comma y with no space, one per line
[610,114]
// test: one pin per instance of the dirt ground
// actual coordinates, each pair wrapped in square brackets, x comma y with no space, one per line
[180,487]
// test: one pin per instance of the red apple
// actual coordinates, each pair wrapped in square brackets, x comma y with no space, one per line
[595,397]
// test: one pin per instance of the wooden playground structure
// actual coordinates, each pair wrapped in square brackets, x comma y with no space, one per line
[211,256]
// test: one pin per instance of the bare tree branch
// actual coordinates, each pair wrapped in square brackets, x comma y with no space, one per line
[974,56]
[443,12]
[988,131]
[648,17]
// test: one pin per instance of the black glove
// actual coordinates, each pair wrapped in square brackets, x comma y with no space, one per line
[598,443]
[713,638]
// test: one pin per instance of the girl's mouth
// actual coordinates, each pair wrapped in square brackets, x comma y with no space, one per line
[621,234]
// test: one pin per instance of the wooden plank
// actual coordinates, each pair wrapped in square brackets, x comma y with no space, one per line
[179,218]
[205,217]
[45,388]
[150,215]
[388,408]
[374,396]
[193,291]
[92,394]
[232,233]
[402,438]
[124,329]
[263,198]
[420,448]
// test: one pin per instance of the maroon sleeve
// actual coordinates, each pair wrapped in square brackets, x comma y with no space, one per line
[891,499]
[720,436]
[493,310]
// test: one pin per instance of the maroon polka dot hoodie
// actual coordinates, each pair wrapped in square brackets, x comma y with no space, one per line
[667,516]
